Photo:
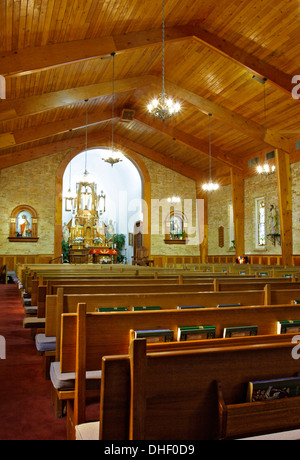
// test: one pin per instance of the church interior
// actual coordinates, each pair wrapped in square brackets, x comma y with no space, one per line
[157,140]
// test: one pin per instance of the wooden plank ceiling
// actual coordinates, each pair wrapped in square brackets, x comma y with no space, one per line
[53,59]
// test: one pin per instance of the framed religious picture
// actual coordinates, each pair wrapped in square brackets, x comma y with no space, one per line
[23,224]
[130,239]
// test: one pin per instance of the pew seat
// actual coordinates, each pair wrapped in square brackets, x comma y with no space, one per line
[44,343]
[88,431]
[31,310]
[66,380]
[33,322]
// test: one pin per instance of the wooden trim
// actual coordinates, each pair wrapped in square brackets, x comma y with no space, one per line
[21,239]
[237,188]
[285,205]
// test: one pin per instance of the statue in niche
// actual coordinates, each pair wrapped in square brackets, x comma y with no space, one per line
[24,224]
[273,220]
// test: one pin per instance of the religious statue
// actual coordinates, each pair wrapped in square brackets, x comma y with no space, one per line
[273,220]
[110,232]
[25,226]
[66,233]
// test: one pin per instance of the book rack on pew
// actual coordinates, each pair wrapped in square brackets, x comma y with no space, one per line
[261,416]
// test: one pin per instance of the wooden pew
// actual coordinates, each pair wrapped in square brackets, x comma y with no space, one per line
[109,333]
[152,382]
[39,292]
[141,393]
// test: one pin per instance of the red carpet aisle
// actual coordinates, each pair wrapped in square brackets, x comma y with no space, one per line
[26,412]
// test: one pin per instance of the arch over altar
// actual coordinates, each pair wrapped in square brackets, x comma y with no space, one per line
[100,201]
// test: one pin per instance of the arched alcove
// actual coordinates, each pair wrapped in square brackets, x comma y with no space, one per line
[23,224]
[127,207]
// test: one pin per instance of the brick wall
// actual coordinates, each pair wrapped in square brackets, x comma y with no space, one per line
[31,183]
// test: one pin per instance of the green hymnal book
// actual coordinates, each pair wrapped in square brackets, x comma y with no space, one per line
[221,305]
[288,326]
[287,276]
[146,308]
[263,273]
[196,333]
[297,302]
[105,309]
[239,331]
[155,335]
[264,390]
[187,307]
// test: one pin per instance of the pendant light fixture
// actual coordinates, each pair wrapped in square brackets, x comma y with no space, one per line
[69,196]
[174,199]
[163,107]
[112,156]
[210,186]
[265,168]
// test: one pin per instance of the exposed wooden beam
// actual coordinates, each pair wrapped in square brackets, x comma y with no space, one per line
[23,136]
[29,60]
[285,205]
[25,106]
[231,118]
[164,160]
[35,59]
[97,140]
[189,141]
[10,109]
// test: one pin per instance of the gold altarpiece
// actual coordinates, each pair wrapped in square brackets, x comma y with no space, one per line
[86,233]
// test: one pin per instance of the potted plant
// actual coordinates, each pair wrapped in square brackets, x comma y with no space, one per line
[65,251]
[119,242]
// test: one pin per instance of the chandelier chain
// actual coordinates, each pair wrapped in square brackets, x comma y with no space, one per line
[163,48]
[86,125]
[113,103]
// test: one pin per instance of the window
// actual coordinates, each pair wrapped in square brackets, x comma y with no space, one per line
[260,222]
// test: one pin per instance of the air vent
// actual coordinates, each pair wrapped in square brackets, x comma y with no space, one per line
[253,162]
[270,155]
[127,115]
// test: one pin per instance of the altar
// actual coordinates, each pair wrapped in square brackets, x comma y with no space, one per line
[89,238]
[103,255]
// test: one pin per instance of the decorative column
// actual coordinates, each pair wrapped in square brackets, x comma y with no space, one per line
[284,187]
[237,190]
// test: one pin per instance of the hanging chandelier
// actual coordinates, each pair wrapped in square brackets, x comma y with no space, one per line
[112,155]
[163,107]
[265,169]
[174,199]
[210,186]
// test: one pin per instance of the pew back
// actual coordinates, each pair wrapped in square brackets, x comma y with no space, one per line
[109,333]
[172,397]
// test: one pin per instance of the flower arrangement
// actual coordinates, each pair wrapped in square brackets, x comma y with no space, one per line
[104,260]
